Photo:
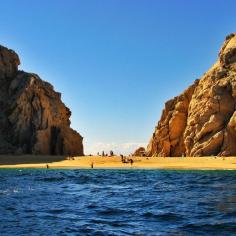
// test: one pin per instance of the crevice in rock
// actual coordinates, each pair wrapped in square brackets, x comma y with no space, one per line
[55,132]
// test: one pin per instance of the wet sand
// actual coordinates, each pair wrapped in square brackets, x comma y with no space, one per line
[190,163]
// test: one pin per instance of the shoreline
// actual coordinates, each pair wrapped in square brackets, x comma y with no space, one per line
[86,162]
[114,168]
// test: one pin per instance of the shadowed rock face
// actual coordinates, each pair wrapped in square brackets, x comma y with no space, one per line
[33,119]
[202,120]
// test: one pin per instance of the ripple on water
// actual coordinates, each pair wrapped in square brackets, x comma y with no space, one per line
[117,202]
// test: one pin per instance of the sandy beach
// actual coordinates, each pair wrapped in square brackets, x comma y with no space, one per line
[191,163]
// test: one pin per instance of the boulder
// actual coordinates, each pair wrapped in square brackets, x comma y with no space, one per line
[139,152]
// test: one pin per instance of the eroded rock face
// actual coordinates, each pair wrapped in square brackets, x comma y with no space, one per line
[33,119]
[202,120]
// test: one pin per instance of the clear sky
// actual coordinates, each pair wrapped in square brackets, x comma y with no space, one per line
[116,61]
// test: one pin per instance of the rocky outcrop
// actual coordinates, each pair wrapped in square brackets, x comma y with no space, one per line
[139,152]
[33,119]
[202,120]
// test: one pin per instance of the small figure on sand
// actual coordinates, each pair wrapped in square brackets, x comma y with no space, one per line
[111,153]
[92,165]
[131,161]
[47,166]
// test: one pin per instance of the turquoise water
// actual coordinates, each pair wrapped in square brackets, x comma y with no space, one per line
[117,202]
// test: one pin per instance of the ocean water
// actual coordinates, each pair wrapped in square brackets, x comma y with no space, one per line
[117,202]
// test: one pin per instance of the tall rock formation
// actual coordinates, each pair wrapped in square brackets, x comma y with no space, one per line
[33,119]
[202,120]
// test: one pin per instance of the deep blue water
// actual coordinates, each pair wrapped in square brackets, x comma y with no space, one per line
[117,202]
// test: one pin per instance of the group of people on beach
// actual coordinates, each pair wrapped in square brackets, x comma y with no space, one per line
[125,159]
[103,154]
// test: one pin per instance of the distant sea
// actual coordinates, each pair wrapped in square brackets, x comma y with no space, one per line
[117,202]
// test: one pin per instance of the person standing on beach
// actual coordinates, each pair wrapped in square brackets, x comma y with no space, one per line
[122,158]
[111,153]
[92,165]
[131,161]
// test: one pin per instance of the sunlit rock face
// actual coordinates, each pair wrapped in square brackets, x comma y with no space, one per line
[139,152]
[202,120]
[33,119]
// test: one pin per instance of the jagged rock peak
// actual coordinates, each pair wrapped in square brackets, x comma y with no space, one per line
[33,119]
[9,62]
[202,120]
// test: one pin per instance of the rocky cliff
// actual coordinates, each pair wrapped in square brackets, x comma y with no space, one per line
[33,119]
[202,120]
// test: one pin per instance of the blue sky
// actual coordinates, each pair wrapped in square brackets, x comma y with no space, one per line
[116,61]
